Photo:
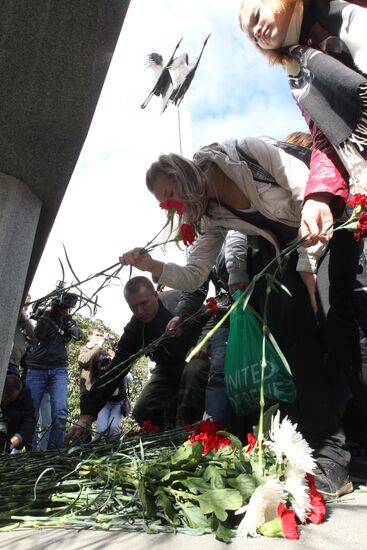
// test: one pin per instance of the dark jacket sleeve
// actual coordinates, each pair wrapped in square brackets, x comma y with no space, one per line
[104,386]
[43,328]
[191,302]
[28,422]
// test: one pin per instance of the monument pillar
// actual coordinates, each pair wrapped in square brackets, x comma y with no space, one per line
[19,214]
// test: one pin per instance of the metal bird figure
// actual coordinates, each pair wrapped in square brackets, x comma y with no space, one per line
[182,74]
[163,77]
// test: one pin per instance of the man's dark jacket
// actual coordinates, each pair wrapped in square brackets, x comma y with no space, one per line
[170,353]
[20,416]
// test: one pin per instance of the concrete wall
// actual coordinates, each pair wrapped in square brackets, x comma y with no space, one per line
[19,215]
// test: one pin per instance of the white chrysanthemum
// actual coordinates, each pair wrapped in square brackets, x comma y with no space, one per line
[287,443]
[262,507]
[296,485]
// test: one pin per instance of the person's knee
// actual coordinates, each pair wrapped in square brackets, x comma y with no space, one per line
[196,368]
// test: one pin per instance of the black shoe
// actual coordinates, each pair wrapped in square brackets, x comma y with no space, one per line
[332,480]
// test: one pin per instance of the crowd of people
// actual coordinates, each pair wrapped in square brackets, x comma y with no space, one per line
[246,200]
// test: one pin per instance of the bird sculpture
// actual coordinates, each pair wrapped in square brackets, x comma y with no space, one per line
[163,77]
[173,79]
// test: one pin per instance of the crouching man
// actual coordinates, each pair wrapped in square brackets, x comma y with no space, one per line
[158,400]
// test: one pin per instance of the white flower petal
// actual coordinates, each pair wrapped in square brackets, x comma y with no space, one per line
[288,444]
[262,507]
[296,485]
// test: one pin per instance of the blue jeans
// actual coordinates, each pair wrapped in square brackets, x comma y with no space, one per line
[217,404]
[45,422]
[55,381]
[109,420]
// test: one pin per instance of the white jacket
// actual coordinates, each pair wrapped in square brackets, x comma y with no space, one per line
[282,202]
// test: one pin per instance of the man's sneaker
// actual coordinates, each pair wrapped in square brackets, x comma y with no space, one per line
[332,480]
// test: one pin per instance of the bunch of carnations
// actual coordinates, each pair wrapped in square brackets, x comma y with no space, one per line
[286,495]
[358,219]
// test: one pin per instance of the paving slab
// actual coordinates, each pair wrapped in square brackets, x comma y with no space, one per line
[344,529]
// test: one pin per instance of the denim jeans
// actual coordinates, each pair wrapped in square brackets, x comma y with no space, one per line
[109,420]
[45,422]
[217,404]
[55,381]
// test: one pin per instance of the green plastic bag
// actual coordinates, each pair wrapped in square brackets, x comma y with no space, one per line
[242,370]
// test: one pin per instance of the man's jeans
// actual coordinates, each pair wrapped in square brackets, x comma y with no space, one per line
[55,381]
[45,422]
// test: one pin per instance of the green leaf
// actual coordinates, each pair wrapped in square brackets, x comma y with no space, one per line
[146,500]
[245,484]
[183,453]
[195,484]
[235,442]
[162,501]
[194,516]
[267,420]
[275,281]
[212,473]
[223,533]
[273,342]
[220,500]
[176,474]
[188,453]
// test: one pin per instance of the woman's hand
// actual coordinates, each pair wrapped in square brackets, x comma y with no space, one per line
[309,280]
[137,258]
[142,260]
[316,219]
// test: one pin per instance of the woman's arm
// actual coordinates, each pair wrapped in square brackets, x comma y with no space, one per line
[189,277]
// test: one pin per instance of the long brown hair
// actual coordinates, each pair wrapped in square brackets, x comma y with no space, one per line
[191,185]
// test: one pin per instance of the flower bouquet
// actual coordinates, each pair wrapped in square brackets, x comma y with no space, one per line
[208,483]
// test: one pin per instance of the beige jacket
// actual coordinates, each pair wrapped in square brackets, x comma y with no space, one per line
[282,202]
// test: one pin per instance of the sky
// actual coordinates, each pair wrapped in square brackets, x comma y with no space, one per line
[107,209]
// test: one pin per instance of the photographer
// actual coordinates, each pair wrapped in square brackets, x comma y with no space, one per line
[48,360]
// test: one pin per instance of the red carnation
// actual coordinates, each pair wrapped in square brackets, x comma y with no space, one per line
[251,439]
[318,510]
[206,433]
[173,206]
[289,524]
[186,234]
[358,200]
[211,306]
[361,231]
[147,428]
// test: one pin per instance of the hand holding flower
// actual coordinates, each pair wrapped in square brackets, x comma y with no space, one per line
[317,219]
[142,260]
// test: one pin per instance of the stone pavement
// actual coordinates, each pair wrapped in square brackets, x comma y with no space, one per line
[345,529]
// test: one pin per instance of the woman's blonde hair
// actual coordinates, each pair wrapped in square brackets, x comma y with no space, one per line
[191,185]
[275,57]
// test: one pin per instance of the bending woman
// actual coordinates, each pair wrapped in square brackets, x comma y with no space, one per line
[329,85]
[256,187]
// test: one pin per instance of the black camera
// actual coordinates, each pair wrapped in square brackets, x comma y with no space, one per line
[67,300]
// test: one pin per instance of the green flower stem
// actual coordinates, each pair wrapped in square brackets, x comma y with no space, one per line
[59,291]
[260,436]
[199,346]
